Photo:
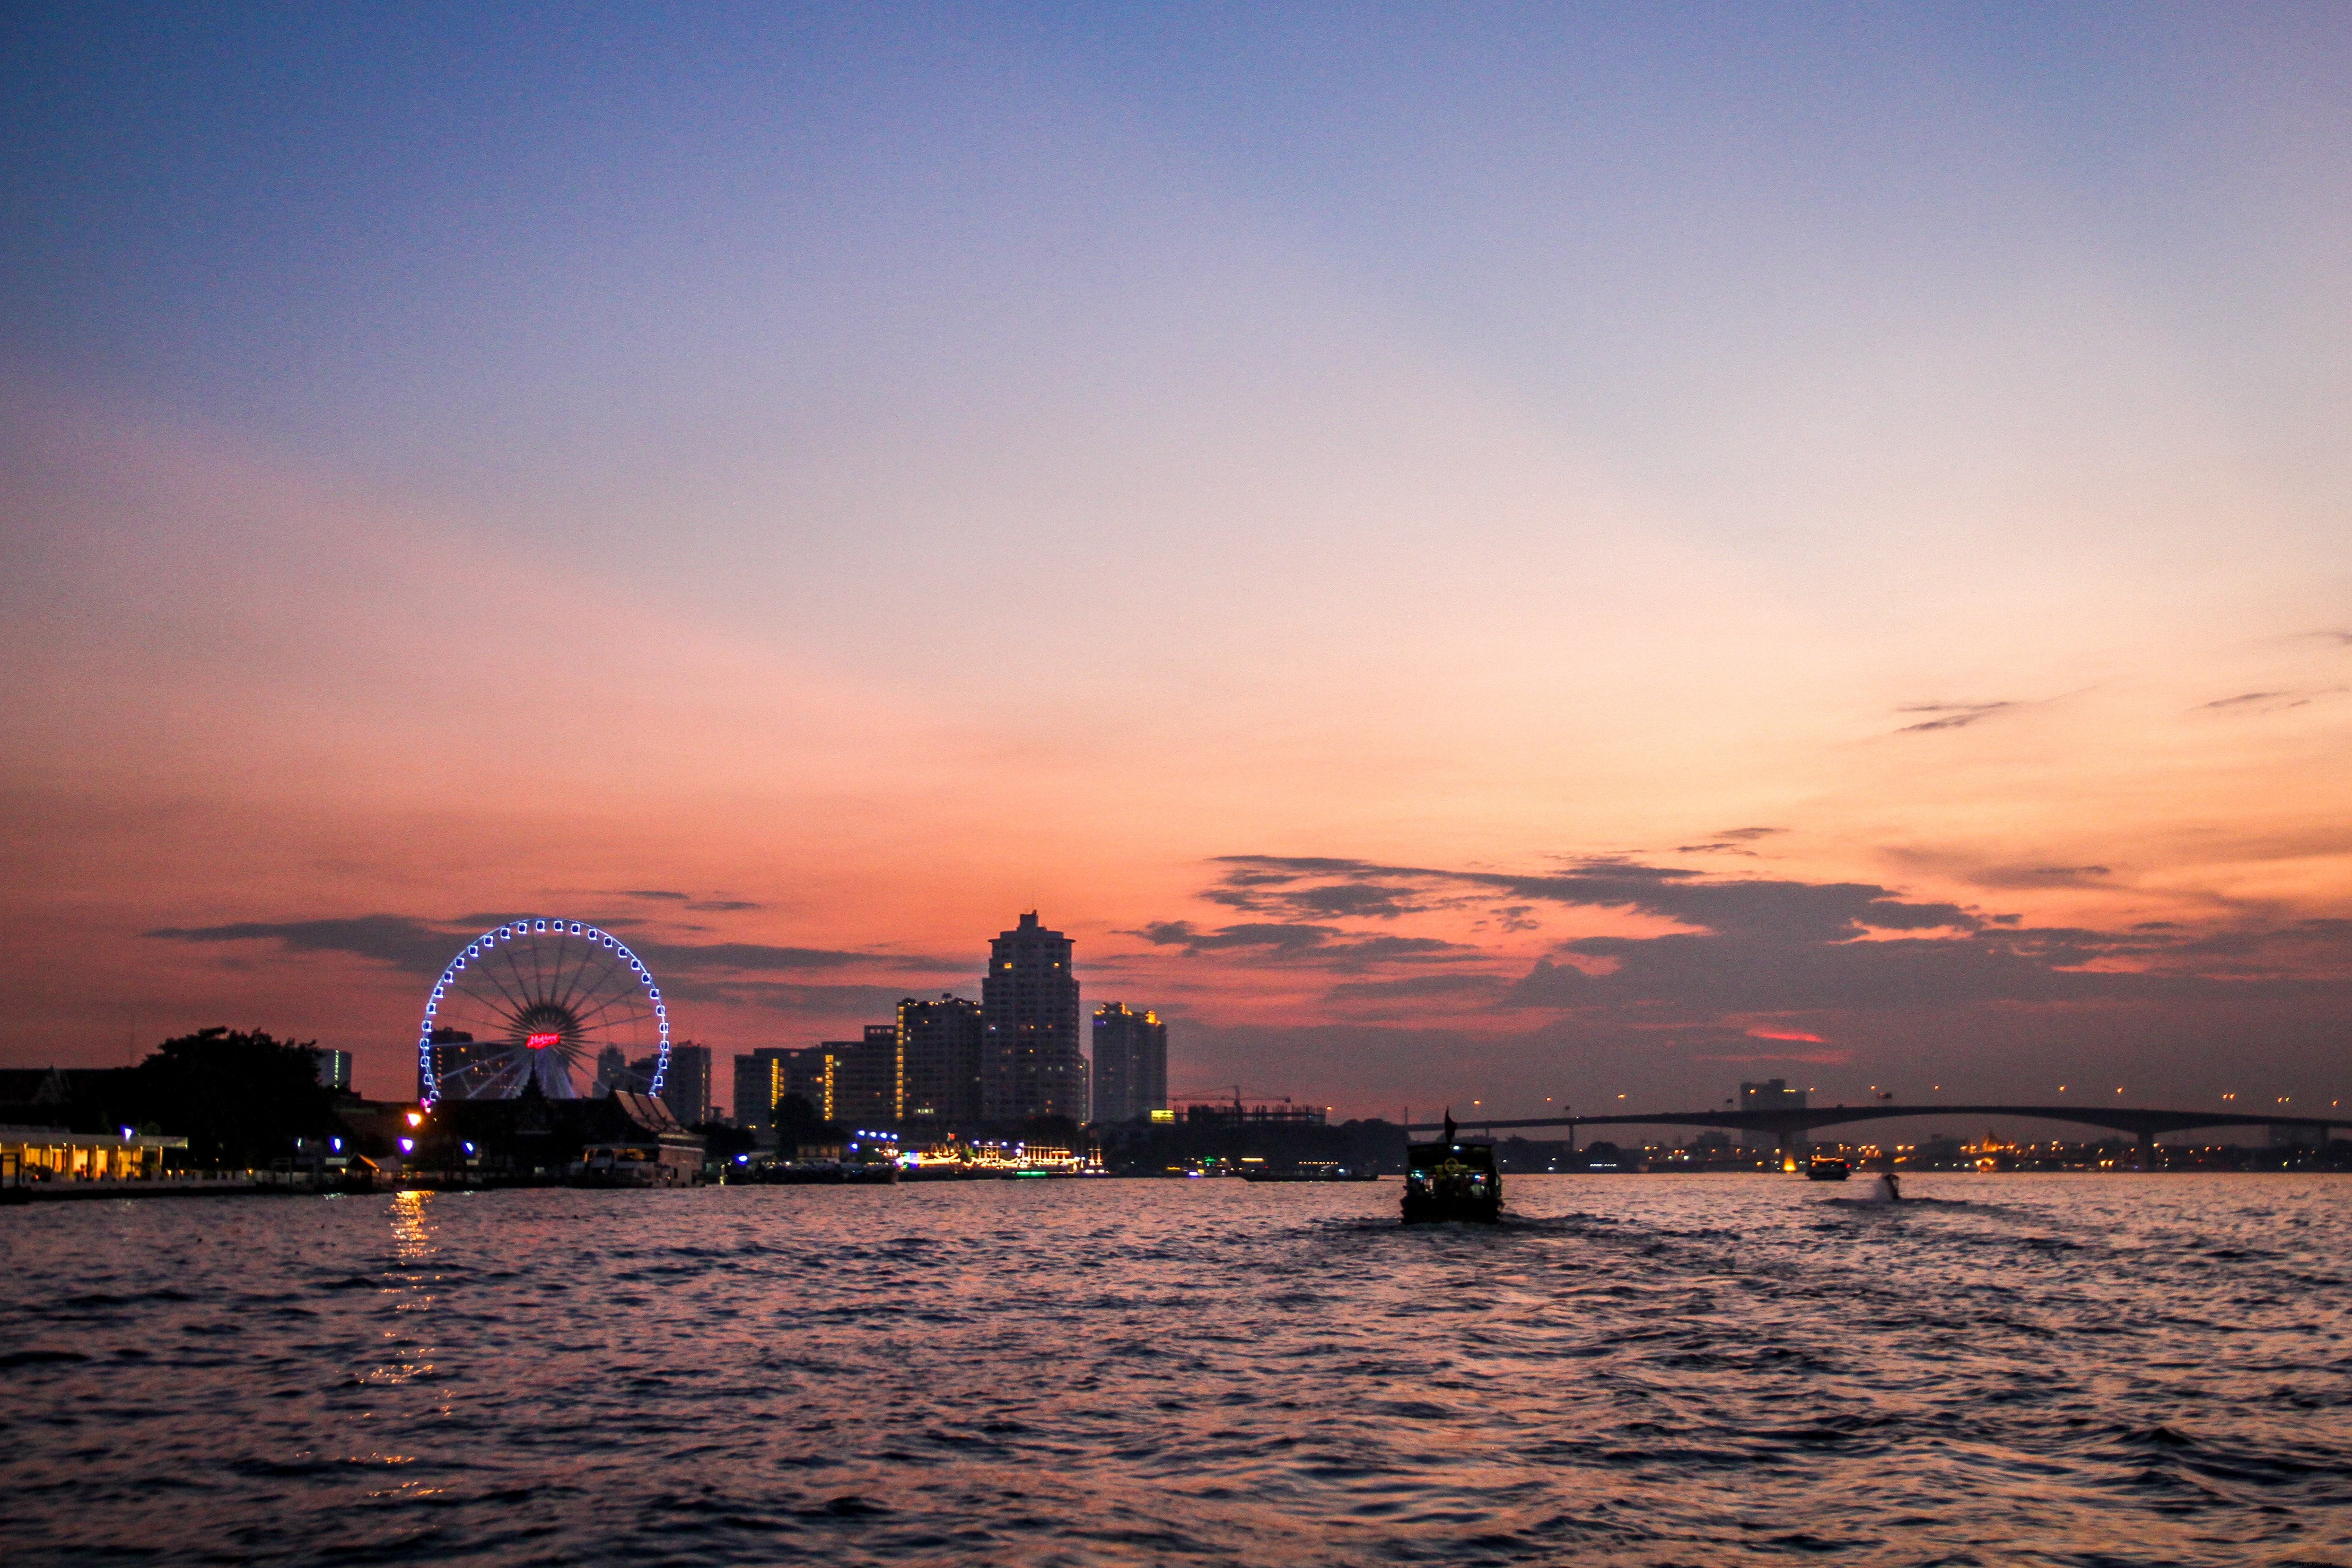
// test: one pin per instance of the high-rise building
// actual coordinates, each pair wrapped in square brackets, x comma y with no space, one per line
[1130,1063]
[772,1073]
[334,1069]
[454,1053]
[613,1072]
[685,1087]
[939,1043]
[865,1080]
[1034,1060]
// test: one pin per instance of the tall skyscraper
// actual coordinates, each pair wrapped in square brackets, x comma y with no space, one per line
[334,1068]
[1033,1058]
[940,1043]
[759,1084]
[686,1088]
[772,1073]
[1130,1063]
[613,1072]
[865,1080]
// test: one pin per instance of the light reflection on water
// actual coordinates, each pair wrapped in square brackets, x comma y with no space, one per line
[1652,1370]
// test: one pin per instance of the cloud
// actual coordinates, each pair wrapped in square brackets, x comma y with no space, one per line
[1415,985]
[1955,715]
[653,893]
[2259,702]
[1294,942]
[1814,1058]
[424,947]
[413,946]
[1729,841]
[2015,877]
[1341,901]
[723,906]
[1786,1034]
[1765,907]
[877,1003]
[1550,984]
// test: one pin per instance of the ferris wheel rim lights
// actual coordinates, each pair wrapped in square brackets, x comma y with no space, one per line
[531,926]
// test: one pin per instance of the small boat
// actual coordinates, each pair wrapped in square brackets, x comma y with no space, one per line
[1451,1180]
[1827,1168]
[1312,1171]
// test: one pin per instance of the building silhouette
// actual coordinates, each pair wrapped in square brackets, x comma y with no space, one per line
[1772,1094]
[613,1072]
[1033,1061]
[453,1050]
[334,1069]
[1130,1063]
[772,1073]
[939,1044]
[685,1087]
[865,1080]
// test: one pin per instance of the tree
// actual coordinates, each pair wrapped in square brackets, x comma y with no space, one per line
[798,1122]
[239,1098]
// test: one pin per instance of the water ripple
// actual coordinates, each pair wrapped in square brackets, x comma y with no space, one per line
[1647,1370]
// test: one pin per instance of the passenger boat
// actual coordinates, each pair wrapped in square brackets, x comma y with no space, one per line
[1827,1168]
[1451,1180]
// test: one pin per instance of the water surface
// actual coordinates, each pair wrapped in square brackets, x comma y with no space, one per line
[1640,1369]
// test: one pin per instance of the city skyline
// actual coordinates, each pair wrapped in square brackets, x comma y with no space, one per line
[1494,553]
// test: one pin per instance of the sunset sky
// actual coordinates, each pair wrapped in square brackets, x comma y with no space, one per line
[1459,552]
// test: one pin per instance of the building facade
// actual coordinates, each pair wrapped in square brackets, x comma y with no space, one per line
[940,1045]
[1033,1058]
[334,1069]
[1130,1063]
[685,1087]
[865,1080]
[613,1072]
[1772,1094]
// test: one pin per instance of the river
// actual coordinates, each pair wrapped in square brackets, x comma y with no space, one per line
[1652,1370]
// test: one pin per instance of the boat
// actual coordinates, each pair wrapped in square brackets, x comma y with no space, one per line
[1827,1168]
[1311,1171]
[1452,1179]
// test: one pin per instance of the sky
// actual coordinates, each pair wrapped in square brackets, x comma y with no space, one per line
[1514,557]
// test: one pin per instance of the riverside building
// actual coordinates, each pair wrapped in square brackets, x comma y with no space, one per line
[1033,1058]
[865,1080]
[940,1045]
[1130,1063]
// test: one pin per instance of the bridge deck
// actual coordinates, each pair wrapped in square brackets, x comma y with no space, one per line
[2140,1122]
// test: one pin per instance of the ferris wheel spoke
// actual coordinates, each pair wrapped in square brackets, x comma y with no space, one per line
[617,981]
[563,987]
[538,972]
[515,1006]
[585,992]
[635,1009]
[581,1001]
[515,969]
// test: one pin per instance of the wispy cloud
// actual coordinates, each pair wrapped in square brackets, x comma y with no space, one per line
[1952,715]
[2266,701]
[423,947]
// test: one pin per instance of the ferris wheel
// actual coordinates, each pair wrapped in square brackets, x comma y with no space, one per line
[551,1002]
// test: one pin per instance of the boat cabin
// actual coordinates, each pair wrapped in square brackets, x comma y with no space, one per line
[1454,1178]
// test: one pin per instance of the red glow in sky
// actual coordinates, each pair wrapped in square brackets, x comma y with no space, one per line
[1455,567]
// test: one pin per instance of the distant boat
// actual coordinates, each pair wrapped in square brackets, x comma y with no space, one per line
[1451,1180]
[1312,1171]
[1828,1168]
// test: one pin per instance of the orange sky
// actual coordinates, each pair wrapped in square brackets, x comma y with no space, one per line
[1832,561]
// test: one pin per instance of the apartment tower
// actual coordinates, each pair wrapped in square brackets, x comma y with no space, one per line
[1033,1058]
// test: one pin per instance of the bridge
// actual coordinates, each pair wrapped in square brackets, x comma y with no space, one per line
[1789,1126]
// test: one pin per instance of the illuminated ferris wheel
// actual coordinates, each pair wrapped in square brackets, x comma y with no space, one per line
[549,1003]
